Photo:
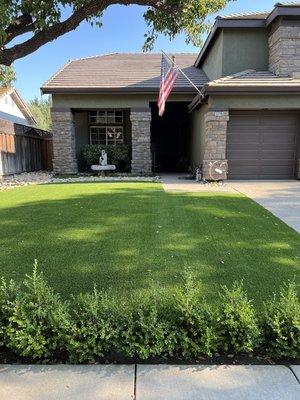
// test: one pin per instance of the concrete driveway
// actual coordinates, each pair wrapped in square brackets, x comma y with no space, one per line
[281,198]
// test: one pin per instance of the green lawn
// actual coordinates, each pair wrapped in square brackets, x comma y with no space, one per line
[125,236]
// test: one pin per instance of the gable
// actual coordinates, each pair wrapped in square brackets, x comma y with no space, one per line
[13,108]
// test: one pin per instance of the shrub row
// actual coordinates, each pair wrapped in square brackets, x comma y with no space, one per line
[120,156]
[37,324]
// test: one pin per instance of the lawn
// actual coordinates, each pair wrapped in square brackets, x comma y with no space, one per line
[127,237]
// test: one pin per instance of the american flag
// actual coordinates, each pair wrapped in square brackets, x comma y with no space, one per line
[169,75]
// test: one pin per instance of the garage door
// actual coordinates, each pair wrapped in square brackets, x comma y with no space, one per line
[262,145]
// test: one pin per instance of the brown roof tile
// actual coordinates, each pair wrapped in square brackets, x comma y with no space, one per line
[122,72]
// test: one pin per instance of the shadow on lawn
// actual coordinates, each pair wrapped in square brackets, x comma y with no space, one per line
[125,238]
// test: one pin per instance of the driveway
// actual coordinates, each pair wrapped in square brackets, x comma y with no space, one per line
[281,198]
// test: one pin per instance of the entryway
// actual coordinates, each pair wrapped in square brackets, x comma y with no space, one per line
[170,138]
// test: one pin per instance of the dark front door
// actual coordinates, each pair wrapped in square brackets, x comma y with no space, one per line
[170,138]
[262,145]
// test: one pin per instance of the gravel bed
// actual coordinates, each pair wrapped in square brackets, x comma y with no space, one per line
[36,178]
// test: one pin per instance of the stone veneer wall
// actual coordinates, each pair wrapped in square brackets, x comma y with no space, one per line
[215,143]
[64,153]
[141,141]
[284,48]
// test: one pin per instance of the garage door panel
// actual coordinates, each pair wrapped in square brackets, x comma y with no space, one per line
[261,145]
[281,154]
[244,137]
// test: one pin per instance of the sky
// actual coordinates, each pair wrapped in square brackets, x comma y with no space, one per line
[122,31]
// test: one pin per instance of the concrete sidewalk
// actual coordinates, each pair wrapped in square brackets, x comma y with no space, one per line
[149,382]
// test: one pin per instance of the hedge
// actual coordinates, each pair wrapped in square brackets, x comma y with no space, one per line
[120,156]
[36,325]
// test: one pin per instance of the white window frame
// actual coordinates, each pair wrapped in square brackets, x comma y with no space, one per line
[108,140]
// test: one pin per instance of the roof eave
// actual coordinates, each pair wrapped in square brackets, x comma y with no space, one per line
[242,90]
[281,10]
[263,89]
[84,90]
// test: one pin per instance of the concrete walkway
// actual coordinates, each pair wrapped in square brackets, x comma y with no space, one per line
[149,382]
[281,198]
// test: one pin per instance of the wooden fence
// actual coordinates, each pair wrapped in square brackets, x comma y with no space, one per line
[25,150]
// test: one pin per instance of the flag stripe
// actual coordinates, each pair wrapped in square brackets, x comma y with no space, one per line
[169,75]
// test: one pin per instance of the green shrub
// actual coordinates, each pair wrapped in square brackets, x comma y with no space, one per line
[8,295]
[94,329]
[195,322]
[145,333]
[38,323]
[282,323]
[238,325]
[120,156]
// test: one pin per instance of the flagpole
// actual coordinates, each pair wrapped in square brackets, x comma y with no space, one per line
[173,62]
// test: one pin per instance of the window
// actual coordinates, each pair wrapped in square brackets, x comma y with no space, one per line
[107,135]
[106,117]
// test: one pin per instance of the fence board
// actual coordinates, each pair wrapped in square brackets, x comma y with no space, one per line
[24,153]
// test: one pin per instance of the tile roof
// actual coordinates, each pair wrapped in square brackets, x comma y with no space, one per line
[252,15]
[122,72]
[254,79]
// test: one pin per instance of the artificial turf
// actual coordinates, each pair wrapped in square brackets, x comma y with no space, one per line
[127,237]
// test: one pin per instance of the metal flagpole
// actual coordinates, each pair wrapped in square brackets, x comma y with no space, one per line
[179,69]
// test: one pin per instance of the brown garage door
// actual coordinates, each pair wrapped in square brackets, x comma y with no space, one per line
[261,145]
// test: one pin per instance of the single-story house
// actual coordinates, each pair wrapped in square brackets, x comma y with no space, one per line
[246,117]
[23,147]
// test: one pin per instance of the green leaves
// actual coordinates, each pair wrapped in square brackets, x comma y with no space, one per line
[117,155]
[238,325]
[282,323]
[41,110]
[35,323]
[177,16]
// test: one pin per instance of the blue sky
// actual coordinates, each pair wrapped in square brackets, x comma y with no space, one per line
[123,31]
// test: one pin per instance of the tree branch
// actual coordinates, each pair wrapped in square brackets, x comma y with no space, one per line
[8,56]
[22,25]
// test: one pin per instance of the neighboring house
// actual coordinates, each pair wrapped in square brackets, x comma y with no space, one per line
[13,108]
[247,115]
[23,147]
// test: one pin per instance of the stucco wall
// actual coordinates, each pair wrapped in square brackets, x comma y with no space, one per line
[197,126]
[212,65]
[235,50]
[248,102]
[245,48]
[86,101]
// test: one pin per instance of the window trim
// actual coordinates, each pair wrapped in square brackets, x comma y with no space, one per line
[106,116]
[106,127]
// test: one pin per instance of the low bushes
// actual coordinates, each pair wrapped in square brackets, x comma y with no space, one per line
[36,324]
[120,156]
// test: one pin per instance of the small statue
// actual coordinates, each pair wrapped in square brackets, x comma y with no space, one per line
[103,158]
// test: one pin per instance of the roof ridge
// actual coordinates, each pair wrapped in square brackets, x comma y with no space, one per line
[243,14]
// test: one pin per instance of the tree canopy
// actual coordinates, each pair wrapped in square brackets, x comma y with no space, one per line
[41,110]
[47,20]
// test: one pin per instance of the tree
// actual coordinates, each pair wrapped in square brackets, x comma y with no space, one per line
[40,109]
[44,20]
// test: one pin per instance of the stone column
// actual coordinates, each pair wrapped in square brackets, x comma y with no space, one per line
[141,141]
[64,153]
[215,143]
[284,48]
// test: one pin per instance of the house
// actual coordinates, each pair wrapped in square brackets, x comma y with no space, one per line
[246,117]
[23,147]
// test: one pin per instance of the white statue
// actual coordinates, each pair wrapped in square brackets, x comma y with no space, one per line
[103,158]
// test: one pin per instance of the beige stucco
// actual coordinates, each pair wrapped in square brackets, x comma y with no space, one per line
[255,101]
[89,101]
